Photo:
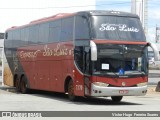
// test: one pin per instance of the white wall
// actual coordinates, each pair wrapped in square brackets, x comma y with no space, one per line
[139,7]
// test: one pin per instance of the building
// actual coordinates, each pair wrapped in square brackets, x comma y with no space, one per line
[1,55]
[140,7]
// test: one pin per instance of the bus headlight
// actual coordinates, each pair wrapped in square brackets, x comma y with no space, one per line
[101,84]
[142,84]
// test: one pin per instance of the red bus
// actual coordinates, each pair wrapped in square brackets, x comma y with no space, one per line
[88,53]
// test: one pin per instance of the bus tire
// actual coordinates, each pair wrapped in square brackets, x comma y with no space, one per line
[116,98]
[17,84]
[23,86]
[71,95]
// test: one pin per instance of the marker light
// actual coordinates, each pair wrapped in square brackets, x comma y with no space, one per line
[101,84]
[142,84]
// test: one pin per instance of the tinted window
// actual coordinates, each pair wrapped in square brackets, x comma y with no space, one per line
[55,24]
[10,35]
[43,33]
[78,55]
[117,28]
[67,29]
[16,38]
[81,28]
[8,42]
[16,35]
[33,34]
[54,31]
[82,31]
[54,34]
[24,35]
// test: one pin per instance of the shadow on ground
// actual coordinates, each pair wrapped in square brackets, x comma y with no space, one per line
[63,97]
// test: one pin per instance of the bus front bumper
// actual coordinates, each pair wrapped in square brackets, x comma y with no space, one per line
[99,91]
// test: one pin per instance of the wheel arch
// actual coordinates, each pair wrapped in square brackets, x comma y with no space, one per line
[14,80]
[68,78]
[26,80]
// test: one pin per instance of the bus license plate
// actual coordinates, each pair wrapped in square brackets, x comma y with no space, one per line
[123,91]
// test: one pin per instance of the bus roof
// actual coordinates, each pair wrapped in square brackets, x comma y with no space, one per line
[110,13]
[57,16]
[88,13]
[45,19]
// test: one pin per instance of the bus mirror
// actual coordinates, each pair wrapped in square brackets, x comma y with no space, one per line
[155,50]
[93,51]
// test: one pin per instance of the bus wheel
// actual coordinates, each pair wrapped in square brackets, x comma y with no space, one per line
[23,86]
[71,95]
[17,85]
[116,98]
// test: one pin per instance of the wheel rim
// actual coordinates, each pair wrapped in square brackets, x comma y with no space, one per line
[23,86]
[71,89]
[17,84]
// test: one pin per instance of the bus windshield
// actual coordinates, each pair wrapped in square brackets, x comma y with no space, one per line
[117,28]
[121,60]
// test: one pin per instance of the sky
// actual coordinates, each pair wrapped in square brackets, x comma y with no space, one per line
[19,12]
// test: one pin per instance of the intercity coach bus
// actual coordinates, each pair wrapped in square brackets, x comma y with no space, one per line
[88,53]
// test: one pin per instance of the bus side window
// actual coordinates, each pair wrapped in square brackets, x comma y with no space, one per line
[87,60]
[81,28]
[24,35]
[6,35]
[78,53]
[33,34]
[67,29]
[8,43]
[43,33]
[54,31]
[16,39]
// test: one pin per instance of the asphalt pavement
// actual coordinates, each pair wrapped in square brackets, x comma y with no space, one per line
[154,77]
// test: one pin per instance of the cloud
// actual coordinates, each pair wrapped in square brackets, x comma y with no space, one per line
[155,14]
[19,12]
[112,1]
[117,5]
